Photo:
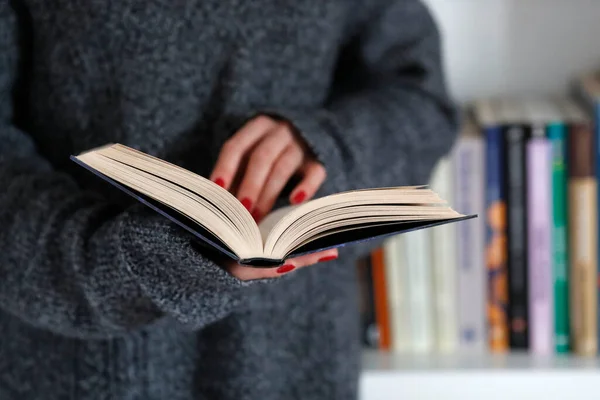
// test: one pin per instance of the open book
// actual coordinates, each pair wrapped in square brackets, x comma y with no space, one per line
[218,219]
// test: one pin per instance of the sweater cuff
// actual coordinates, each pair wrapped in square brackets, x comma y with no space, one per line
[182,283]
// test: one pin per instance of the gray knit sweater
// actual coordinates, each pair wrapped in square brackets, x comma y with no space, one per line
[101,298]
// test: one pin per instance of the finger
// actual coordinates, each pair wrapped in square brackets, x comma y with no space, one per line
[260,165]
[314,175]
[237,179]
[284,168]
[252,273]
[233,150]
[314,258]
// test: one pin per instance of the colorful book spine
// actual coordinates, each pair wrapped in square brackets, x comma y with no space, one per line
[382,313]
[586,93]
[495,245]
[397,284]
[469,182]
[516,137]
[541,326]
[443,260]
[583,242]
[557,134]
[418,261]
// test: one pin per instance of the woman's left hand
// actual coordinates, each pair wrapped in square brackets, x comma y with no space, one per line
[263,155]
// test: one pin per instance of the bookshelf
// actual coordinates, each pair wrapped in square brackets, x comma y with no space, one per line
[499,48]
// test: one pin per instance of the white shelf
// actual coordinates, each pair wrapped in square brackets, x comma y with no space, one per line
[388,376]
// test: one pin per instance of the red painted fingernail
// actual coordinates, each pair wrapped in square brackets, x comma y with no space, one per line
[328,258]
[256,215]
[285,268]
[299,197]
[220,182]
[246,202]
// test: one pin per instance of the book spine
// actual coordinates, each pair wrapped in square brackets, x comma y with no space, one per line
[515,138]
[469,183]
[418,262]
[397,284]
[541,330]
[381,298]
[590,104]
[557,133]
[443,253]
[582,189]
[495,243]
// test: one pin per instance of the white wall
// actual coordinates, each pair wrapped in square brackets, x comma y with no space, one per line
[516,46]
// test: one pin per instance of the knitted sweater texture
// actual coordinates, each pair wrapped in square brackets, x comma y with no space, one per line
[100,297]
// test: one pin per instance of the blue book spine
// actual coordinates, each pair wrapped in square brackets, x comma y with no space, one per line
[496,241]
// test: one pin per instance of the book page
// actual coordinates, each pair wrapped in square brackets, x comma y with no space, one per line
[269,222]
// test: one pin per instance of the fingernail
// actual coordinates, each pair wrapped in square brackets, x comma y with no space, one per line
[299,197]
[328,258]
[246,202]
[285,268]
[220,182]
[256,215]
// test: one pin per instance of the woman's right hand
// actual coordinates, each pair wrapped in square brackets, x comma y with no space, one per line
[246,273]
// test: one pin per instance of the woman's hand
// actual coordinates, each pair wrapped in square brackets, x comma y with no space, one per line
[252,273]
[255,164]
[273,153]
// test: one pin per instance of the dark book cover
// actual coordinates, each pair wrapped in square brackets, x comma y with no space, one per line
[515,138]
[495,240]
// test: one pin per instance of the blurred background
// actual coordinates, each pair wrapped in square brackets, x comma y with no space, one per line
[504,306]
[501,47]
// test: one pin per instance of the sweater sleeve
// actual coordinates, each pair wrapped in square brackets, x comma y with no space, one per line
[388,118]
[72,263]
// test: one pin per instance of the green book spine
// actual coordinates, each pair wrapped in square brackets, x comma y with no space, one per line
[557,133]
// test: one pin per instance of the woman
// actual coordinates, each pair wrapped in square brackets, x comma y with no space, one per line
[277,101]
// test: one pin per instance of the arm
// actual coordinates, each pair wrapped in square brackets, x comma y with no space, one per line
[388,119]
[73,264]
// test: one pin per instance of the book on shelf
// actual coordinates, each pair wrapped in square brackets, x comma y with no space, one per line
[398,284]
[527,141]
[538,178]
[583,226]
[217,219]
[420,291]
[557,135]
[524,277]
[380,300]
[443,264]
[430,296]
[516,134]
[586,88]
[486,113]
[468,162]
